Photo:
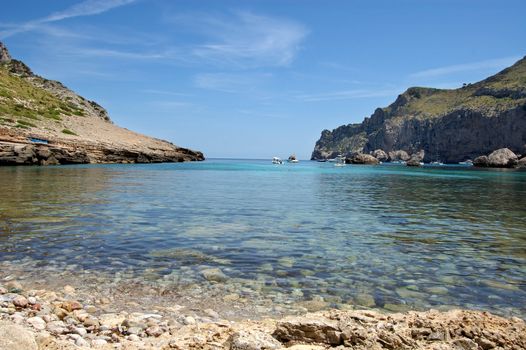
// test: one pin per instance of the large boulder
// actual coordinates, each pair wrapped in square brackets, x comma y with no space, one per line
[416,158]
[522,162]
[380,155]
[361,158]
[13,337]
[398,155]
[481,161]
[502,158]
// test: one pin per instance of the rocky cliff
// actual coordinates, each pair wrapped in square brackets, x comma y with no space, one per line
[43,122]
[448,125]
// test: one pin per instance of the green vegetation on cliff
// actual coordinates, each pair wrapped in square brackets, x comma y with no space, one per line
[20,101]
[453,124]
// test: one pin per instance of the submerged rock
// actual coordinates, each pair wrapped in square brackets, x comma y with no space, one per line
[214,275]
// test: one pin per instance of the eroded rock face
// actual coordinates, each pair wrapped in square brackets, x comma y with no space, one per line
[4,54]
[360,330]
[361,158]
[380,155]
[451,130]
[398,155]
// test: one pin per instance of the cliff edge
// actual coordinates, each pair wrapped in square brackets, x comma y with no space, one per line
[450,125]
[43,122]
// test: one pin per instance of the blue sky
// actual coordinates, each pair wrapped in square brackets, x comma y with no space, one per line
[258,78]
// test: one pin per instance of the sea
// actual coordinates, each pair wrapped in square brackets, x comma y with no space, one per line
[284,238]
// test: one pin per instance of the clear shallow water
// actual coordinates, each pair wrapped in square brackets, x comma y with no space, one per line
[374,236]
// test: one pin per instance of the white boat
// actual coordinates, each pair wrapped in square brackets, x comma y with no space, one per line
[468,162]
[402,162]
[340,161]
[436,162]
[276,160]
[293,159]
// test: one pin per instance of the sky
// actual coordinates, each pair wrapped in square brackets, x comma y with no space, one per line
[258,78]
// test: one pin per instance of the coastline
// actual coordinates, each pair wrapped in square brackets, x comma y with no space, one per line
[68,319]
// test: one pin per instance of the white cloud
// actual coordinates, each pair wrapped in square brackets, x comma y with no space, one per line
[499,63]
[245,40]
[85,8]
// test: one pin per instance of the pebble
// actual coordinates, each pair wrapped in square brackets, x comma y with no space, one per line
[37,323]
[214,275]
[20,301]
[56,327]
[81,342]
[3,290]
[69,289]
[134,337]
[14,287]
[211,313]
[154,331]
[32,300]
[189,320]
[98,342]
[80,331]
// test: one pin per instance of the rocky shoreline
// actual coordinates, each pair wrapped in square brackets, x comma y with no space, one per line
[18,149]
[65,319]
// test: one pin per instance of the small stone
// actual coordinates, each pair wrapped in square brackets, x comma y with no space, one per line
[14,287]
[91,322]
[61,313]
[80,331]
[214,275]
[71,306]
[32,300]
[189,320]
[98,343]
[56,327]
[211,313]
[90,309]
[134,337]
[20,301]
[253,340]
[3,290]
[154,331]
[37,323]
[81,342]
[69,289]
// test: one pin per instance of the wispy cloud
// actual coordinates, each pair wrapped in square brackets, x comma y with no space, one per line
[84,8]
[499,63]
[230,82]
[244,39]
[348,95]
[119,54]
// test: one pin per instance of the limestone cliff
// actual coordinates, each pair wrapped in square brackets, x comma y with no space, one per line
[449,125]
[43,122]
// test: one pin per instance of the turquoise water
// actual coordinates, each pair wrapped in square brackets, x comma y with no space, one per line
[387,237]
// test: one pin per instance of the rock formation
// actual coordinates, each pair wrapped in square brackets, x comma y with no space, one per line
[501,158]
[449,125]
[43,122]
